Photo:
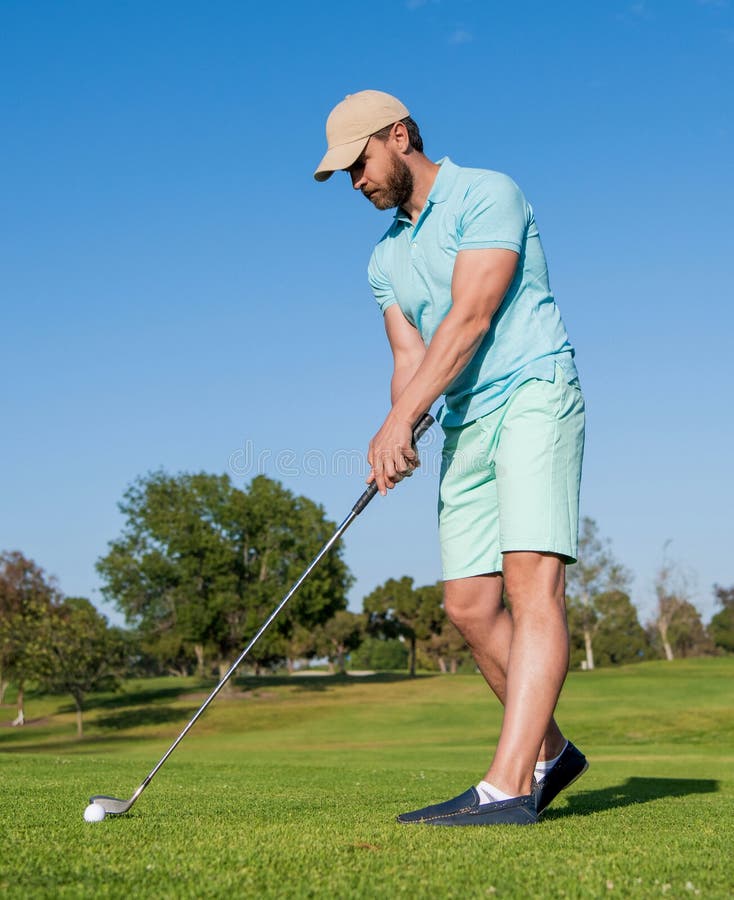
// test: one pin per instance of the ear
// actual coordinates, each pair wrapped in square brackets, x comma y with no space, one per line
[400,137]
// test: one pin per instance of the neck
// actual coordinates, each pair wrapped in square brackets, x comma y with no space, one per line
[424,174]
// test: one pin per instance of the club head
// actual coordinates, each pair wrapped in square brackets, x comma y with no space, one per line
[111,805]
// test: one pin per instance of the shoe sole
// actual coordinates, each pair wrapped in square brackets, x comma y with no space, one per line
[574,779]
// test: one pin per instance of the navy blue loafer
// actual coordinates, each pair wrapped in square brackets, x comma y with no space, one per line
[467,810]
[569,767]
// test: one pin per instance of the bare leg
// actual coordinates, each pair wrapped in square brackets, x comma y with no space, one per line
[537,665]
[474,605]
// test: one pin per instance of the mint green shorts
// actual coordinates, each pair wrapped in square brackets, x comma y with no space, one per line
[510,480]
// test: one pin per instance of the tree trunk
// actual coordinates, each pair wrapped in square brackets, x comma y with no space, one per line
[589,649]
[663,629]
[79,724]
[20,718]
[290,664]
[341,663]
[442,665]
[3,687]
[199,653]
[411,658]
[454,666]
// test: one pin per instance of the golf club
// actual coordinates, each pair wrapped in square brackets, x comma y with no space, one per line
[116,807]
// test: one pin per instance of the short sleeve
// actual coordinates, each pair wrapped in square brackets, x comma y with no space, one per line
[381,287]
[494,213]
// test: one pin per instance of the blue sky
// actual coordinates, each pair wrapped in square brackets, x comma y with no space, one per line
[178,292]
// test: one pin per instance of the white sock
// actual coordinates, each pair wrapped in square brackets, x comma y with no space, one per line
[488,793]
[542,767]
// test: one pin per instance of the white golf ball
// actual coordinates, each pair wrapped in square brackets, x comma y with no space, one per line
[95,812]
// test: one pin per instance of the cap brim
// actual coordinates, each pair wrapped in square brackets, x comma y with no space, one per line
[340,157]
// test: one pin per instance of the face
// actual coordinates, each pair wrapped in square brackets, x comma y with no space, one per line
[382,175]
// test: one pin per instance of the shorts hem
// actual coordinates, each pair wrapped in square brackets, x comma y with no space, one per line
[471,572]
[540,547]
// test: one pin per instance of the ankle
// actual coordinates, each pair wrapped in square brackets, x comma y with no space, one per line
[552,746]
[552,751]
[512,787]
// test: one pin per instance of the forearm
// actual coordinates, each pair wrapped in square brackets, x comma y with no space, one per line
[401,378]
[454,344]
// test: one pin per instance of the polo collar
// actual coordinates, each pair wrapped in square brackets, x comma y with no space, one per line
[445,178]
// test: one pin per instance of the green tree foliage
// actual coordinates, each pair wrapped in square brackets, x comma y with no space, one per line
[208,562]
[397,609]
[380,654]
[338,636]
[619,637]
[26,598]
[721,627]
[685,634]
[445,649]
[299,645]
[81,652]
[596,573]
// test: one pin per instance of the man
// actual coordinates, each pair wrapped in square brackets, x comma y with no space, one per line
[461,279]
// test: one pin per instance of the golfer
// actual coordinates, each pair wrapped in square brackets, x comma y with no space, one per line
[461,279]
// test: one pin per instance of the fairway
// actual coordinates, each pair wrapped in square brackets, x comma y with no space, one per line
[290,787]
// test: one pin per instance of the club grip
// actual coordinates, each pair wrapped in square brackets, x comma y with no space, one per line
[422,426]
[419,429]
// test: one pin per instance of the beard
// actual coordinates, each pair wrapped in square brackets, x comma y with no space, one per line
[398,186]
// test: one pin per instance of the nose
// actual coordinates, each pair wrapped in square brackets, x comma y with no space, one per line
[357,176]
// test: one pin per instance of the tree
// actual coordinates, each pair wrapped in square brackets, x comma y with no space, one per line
[83,652]
[619,636]
[301,644]
[446,648]
[380,654]
[207,562]
[339,635]
[687,634]
[721,627]
[167,653]
[26,598]
[668,598]
[396,609]
[677,625]
[596,572]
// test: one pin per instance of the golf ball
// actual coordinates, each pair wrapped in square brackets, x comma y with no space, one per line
[95,812]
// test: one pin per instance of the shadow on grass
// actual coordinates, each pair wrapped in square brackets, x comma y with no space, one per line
[134,718]
[138,697]
[634,790]
[314,683]
[89,744]
[308,683]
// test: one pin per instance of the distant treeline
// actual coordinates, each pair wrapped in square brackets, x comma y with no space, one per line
[200,564]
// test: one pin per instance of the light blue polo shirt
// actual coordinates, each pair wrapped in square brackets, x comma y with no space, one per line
[412,266]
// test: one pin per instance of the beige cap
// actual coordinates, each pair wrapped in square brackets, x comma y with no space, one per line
[350,125]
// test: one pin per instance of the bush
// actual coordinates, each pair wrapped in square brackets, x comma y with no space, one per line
[378,654]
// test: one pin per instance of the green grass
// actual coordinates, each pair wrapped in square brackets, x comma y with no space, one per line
[290,790]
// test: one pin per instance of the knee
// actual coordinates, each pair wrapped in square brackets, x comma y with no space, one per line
[468,610]
[534,593]
[458,611]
